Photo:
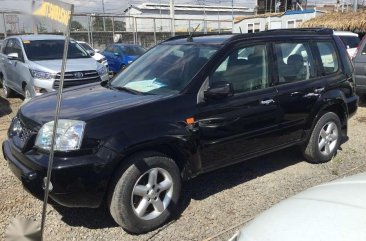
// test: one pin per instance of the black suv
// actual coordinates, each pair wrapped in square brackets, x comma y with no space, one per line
[188,106]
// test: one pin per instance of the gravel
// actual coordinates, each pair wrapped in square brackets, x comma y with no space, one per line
[214,206]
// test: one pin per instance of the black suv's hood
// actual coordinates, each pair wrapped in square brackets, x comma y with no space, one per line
[82,103]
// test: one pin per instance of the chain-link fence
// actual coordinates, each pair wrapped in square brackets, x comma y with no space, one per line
[99,31]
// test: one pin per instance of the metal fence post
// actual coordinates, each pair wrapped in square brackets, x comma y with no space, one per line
[154,31]
[135,22]
[113,28]
[5,33]
[89,38]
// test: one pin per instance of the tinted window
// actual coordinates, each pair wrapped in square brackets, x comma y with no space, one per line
[13,46]
[133,50]
[109,49]
[165,69]
[294,62]
[246,69]
[86,46]
[328,57]
[52,49]
[350,41]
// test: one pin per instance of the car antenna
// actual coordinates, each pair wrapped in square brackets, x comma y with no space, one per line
[190,39]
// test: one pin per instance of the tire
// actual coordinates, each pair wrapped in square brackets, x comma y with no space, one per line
[325,139]
[122,68]
[155,179]
[7,91]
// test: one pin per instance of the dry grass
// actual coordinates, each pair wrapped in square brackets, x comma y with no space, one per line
[348,21]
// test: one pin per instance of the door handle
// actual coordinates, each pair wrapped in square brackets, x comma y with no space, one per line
[319,90]
[267,102]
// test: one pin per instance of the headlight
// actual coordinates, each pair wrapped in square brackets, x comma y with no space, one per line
[130,61]
[42,75]
[68,138]
[102,70]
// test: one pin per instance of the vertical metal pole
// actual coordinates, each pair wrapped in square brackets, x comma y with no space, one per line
[91,32]
[113,29]
[136,31]
[35,29]
[154,31]
[355,3]
[89,38]
[5,33]
[103,15]
[172,17]
[55,123]
[232,16]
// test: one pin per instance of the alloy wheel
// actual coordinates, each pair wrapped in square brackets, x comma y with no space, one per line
[328,138]
[152,193]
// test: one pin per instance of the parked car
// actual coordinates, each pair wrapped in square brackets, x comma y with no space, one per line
[188,106]
[359,63]
[350,40]
[94,53]
[333,211]
[121,55]
[30,65]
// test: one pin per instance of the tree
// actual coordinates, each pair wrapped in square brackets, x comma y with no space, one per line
[77,26]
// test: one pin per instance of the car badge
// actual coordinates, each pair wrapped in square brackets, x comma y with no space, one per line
[78,75]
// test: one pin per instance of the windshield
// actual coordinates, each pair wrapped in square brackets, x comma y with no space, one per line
[350,41]
[86,47]
[165,69]
[52,49]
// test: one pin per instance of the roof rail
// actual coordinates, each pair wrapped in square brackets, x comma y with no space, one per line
[318,30]
[195,35]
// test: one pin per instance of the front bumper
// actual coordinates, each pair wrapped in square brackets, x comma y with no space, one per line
[80,181]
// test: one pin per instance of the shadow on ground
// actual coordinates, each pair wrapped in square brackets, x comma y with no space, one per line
[4,107]
[199,188]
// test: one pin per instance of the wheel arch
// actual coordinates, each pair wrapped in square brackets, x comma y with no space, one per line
[330,102]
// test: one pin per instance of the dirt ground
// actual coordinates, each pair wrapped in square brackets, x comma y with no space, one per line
[215,206]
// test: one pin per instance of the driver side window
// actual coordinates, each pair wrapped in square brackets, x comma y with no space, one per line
[245,68]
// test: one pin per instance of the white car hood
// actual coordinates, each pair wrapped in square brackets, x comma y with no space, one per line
[330,212]
[54,66]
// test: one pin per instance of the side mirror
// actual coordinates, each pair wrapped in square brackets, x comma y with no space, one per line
[13,56]
[96,50]
[219,90]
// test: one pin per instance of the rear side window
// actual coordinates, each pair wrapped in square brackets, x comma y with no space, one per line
[328,56]
[294,62]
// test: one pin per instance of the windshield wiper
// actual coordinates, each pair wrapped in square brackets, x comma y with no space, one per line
[127,89]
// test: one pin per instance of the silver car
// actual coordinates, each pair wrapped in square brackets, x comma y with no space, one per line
[30,65]
[335,211]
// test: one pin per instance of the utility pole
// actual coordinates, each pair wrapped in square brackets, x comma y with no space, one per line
[103,15]
[172,17]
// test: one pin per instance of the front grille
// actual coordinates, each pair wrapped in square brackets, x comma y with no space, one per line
[23,137]
[77,78]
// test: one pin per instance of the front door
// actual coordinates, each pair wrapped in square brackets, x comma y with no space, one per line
[245,123]
[15,68]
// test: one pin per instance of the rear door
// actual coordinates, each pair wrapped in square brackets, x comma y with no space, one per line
[301,80]
[360,68]
[245,123]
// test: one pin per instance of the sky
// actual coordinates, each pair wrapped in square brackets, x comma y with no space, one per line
[118,6]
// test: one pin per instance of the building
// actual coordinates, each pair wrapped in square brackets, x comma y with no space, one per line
[289,19]
[155,17]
